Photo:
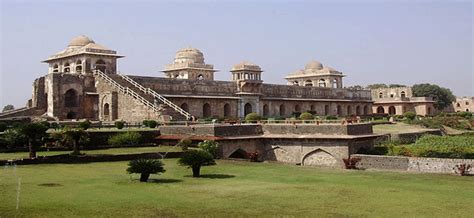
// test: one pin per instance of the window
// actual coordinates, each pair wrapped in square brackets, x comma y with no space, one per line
[227,110]
[247,109]
[322,83]
[380,95]
[403,94]
[308,83]
[200,77]
[206,110]
[67,68]
[55,68]
[334,83]
[70,98]
[266,111]
[106,109]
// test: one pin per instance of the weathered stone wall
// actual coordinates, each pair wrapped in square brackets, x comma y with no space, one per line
[411,164]
[213,130]
[336,129]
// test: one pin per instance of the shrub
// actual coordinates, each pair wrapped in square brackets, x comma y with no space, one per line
[152,123]
[55,125]
[306,116]
[119,124]
[184,143]
[331,117]
[14,138]
[145,122]
[464,114]
[86,124]
[75,137]
[209,146]
[145,167]
[3,127]
[252,117]
[46,124]
[295,114]
[351,162]
[409,115]
[195,159]
[126,138]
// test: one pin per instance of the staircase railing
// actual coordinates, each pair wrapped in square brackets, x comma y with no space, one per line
[157,96]
[127,91]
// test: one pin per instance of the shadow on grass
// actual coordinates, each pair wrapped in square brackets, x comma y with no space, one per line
[163,181]
[214,176]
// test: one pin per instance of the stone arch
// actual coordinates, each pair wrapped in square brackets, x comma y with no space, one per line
[70,98]
[339,110]
[403,94]
[200,77]
[56,68]
[296,83]
[357,110]
[78,66]
[380,110]
[326,109]
[106,109]
[380,94]
[282,110]
[349,110]
[266,110]
[247,109]
[297,108]
[227,110]
[101,66]
[185,107]
[392,110]
[277,154]
[67,67]
[71,115]
[319,157]
[322,83]
[239,154]
[206,110]
[366,110]
[308,83]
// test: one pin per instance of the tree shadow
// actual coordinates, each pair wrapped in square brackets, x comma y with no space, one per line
[164,181]
[214,176]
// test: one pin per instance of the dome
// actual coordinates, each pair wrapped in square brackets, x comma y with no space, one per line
[314,65]
[189,55]
[245,65]
[80,41]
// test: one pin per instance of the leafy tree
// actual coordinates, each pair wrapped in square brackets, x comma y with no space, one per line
[75,137]
[396,86]
[8,107]
[145,167]
[306,116]
[119,124]
[35,133]
[252,117]
[377,86]
[409,115]
[443,96]
[209,146]
[14,138]
[195,159]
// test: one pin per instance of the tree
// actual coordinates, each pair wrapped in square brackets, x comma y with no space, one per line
[443,97]
[209,146]
[8,107]
[145,167]
[195,159]
[396,86]
[306,116]
[377,86]
[35,134]
[251,117]
[75,137]
[86,124]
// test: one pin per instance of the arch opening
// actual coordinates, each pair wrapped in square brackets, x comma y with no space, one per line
[392,110]
[227,110]
[206,110]
[70,98]
[247,109]
[380,110]
[239,154]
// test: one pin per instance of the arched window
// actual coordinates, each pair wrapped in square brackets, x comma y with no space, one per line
[391,95]
[308,83]
[380,95]
[403,94]
[349,110]
[185,107]
[200,77]
[101,66]
[366,110]
[297,108]
[295,83]
[206,110]
[339,110]
[380,110]
[266,111]
[322,83]
[429,110]
[106,109]
[334,83]
[458,105]
[70,98]
[67,68]
[326,109]
[227,110]
[357,110]
[467,103]
[392,110]
[282,110]
[313,108]
[79,66]
[247,109]
[55,68]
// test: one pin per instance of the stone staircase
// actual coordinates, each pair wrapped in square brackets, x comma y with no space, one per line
[146,96]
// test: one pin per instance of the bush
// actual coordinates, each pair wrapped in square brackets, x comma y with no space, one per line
[195,159]
[119,124]
[306,116]
[252,117]
[86,124]
[145,167]
[409,115]
[331,117]
[152,123]
[3,127]
[46,123]
[13,138]
[464,114]
[126,138]
[55,125]
[184,143]
[209,146]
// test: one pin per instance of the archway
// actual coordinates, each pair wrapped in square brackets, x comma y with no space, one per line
[247,109]
[106,109]
[322,83]
[282,110]
[339,110]
[349,110]
[227,110]
[200,77]
[206,110]
[266,111]
[67,68]
[297,108]
[380,95]
[392,110]
[308,83]
[326,109]
[334,83]
[185,107]
[366,110]
[70,98]
[357,110]
[319,157]
[101,66]
[71,115]
[239,154]
[55,68]
[380,110]
[403,94]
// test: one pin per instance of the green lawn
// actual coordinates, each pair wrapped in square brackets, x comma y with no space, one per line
[130,150]
[397,128]
[231,189]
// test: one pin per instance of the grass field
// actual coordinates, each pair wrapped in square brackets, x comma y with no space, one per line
[230,189]
[397,128]
[130,150]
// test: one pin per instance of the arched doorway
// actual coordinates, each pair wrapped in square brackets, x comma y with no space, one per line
[266,111]
[349,110]
[206,110]
[403,94]
[247,109]
[339,110]
[240,154]
[101,66]
[67,68]
[71,115]
[308,83]
[380,110]
[322,83]
[106,110]
[185,107]
[70,98]
[282,110]
[357,110]
[326,109]
[366,110]
[297,108]
[392,110]
[227,110]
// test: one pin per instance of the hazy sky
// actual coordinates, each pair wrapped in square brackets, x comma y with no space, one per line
[404,42]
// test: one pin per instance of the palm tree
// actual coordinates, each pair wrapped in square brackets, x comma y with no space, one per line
[195,159]
[35,133]
[75,136]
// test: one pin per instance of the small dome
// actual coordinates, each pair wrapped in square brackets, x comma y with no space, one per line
[189,55]
[314,65]
[80,41]
[245,65]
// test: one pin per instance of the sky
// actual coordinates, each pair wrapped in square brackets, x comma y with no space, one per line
[400,42]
